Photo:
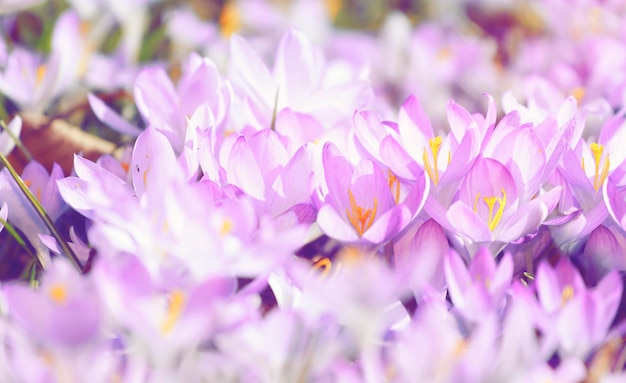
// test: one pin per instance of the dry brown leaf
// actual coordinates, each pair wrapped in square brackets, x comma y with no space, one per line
[51,141]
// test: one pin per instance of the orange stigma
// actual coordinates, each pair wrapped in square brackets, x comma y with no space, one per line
[360,218]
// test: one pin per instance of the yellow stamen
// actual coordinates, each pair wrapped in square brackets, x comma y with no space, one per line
[58,293]
[600,174]
[333,7]
[394,180]
[323,264]
[459,348]
[230,21]
[476,202]
[174,310]
[41,72]
[433,171]
[493,219]
[361,219]
[567,294]
[145,178]
[349,254]
[578,93]
[444,53]
[227,227]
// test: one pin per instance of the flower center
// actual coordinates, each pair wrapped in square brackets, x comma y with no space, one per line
[360,218]
[174,310]
[567,294]
[394,185]
[39,75]
[58,293]
[322,264]
[495,215]
[599,174]
[230,21]
[433,169]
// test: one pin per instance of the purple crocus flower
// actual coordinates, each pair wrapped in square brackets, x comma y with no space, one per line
[23,215]
[29,80]
[299,80]
[359,205]
[280,184]
[574,318]
[479,289]
[489,210]
[444,159]
[599,160]
[63,311]
[165,318]
[165,107]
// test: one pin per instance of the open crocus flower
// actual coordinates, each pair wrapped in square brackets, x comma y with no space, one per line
[478,290]
[23,215]
[575,319]
[359,205]
[300,80]
[30,81]
[598,161]
[444,159]
[489,210]
[63,311]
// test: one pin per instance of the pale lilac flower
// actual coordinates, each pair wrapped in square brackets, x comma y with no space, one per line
[165,107]
[360,205]
[160,316]
[23,215]
[30,80]
[301,346]
[434,348]
[480,288]
[576,319]
[261,167]
[489,210]
[419,257]
[300,80]
[63,311]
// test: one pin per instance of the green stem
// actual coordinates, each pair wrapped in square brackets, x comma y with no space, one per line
[21,242]
[42,214]
[18,142]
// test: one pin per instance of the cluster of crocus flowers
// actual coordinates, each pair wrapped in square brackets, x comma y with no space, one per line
[280,220]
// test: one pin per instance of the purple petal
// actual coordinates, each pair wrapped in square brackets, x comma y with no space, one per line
[548,288]
[398,160]
[387,225]
[243,170]
[459,120]
[297,67]
[336,225]
[153,158]
[483,265]
[525,220]
[466,222]
[111,119]
[487,178]
[457,277]
[338,174]
[252,73]
[414,126]
[615,203]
